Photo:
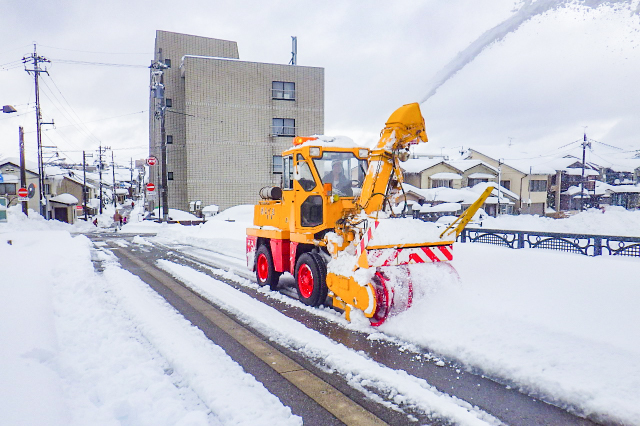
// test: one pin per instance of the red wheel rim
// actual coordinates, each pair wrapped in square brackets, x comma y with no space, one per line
[305,281]
[263,267]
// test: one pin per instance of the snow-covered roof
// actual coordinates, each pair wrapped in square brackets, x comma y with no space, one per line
[577,171]
[465,165]
[482,176]
[443,207]
[480,187]
[417,165]
[332,142]
[445,175]
[211,208]
[623,188]
[64,199]
[29,165]
[447,195]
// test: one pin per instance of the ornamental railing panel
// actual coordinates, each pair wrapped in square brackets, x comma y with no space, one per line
[586,244]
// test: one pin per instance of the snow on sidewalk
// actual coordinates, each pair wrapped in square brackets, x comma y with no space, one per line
[81,348]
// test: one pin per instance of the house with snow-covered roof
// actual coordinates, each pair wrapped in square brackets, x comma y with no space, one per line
[10,181]
[527,180]
[428,173]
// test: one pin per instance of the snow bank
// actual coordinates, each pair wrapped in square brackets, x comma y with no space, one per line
[80,348]
[614,221]
[224,232]
[562,326]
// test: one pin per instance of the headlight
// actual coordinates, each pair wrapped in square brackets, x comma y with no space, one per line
[314,151]
[363,153]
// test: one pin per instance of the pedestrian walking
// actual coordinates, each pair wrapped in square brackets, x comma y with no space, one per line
[117,219]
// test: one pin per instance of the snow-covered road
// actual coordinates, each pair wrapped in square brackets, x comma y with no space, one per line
[105,349]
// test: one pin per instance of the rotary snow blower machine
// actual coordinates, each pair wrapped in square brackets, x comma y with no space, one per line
[331,223]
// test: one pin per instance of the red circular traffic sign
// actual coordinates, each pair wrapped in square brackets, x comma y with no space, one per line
[151,187]
[152,161]
[23,192]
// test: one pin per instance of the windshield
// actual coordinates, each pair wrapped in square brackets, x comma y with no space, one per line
[343,171]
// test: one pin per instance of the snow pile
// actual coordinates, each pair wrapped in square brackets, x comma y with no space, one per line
[106,349]
[174,214]
[397,231]
[561,326]
[17,221]
[224,232]
[614,221]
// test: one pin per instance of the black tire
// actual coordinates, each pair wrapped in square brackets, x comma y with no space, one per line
[265,271]
[311,279]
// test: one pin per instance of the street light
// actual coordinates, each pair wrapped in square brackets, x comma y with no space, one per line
[8,109]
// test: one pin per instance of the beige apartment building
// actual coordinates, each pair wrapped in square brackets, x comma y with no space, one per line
[227,120]
[531,187]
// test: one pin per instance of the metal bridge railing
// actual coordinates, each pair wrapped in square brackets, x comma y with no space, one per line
[586,244]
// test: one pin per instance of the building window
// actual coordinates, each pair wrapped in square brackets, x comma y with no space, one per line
[441,183]
[168,103]
[8,188]
[277,164]
[538,186]
[506,184]
[283,127]
[169,139]
[167,62]
[170,175]
[283,90]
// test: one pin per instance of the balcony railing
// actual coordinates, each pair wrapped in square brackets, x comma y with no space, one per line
[288,95]
[283,131]
[586,244]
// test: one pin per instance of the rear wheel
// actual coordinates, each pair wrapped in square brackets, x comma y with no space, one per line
[311,279]
[265,270]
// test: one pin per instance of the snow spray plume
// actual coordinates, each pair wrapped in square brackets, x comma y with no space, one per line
[529,9]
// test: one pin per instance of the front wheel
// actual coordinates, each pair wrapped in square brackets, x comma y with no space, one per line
[265,270]
[311,279]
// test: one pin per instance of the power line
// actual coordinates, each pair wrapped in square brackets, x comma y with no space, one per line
[101,53]
[72,119]
[102,64]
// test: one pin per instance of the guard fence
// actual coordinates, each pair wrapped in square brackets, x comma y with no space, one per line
[586,244]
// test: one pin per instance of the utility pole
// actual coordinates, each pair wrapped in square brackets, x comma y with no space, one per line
[113,169]
[499,180]
[584,148]
[84,184]
[157,87]
[101,151]
[23,171]
[36,60]
[131,180]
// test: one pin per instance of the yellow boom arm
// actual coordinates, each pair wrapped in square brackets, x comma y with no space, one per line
[404,128]
[465,217]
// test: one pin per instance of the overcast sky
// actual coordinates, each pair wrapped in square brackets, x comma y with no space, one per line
[572,66]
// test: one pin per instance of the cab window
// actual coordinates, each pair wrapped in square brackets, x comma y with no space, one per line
[287,172]
[343,170]
[303,174]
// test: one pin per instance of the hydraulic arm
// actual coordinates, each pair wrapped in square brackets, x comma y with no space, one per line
[404,128]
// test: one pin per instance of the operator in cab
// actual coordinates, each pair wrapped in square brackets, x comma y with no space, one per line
[340,185]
